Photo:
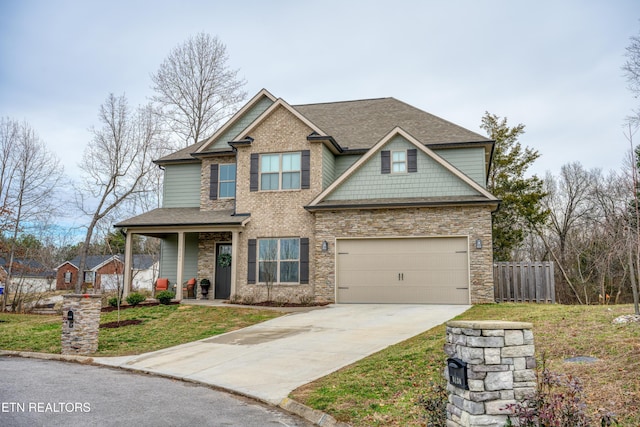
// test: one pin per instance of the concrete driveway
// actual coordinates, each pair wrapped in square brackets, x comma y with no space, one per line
[269,360]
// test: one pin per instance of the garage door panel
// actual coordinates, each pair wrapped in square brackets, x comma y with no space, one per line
[403,270]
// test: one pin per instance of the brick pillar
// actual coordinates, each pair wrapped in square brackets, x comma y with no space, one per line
[81,335]
[500,370]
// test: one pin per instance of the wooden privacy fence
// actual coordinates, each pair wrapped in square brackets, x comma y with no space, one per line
[524,282]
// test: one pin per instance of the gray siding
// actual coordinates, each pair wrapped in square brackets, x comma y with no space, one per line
[244,121]
[344,162]
[469,161]
[169,257]
[181,186]
[328,167]
[431,180]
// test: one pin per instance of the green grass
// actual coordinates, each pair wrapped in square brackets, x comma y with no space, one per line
[163,326]
[385,388]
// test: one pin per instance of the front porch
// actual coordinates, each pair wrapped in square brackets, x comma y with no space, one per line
[195,245]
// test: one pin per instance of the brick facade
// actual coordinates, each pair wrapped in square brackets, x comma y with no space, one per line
[281,214]
[474,222]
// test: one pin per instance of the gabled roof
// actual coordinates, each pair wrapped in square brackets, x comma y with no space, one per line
[360,124]
[26,267]
[237,116]
[482,194]
[95,262]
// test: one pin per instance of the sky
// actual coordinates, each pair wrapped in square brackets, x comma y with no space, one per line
[554,66]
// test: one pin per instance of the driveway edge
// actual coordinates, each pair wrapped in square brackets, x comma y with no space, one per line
[315,416]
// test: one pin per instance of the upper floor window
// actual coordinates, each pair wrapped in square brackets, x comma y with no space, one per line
[227,181]
[399,161]
[280,171]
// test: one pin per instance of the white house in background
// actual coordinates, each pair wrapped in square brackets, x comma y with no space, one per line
[29,274]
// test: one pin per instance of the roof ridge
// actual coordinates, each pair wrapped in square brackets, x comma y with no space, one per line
[344,102]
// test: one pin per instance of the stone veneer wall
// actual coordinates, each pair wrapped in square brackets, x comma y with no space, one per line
[500,370]
[82,338]
[472,221]
[285,215]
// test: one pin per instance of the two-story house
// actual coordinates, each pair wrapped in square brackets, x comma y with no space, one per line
[367,201]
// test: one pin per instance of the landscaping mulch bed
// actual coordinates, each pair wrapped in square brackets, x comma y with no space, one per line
[121,323]
[279,304]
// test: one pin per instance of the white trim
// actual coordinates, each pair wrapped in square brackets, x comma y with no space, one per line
[399,131]
[280,103]
[236,117]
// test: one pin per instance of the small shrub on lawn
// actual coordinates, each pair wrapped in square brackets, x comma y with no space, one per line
[165,297]
[135,299]
[434,402]
[558,401]
[113,302]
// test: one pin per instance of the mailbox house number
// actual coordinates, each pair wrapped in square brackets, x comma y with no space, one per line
[458,373]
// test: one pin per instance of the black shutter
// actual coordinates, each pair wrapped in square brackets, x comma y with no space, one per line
[385,167]
[251,271]
[254,172]
[304,260]
[305,181]
[213,182]
[412,160]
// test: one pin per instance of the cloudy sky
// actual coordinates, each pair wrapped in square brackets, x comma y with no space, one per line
[554,66]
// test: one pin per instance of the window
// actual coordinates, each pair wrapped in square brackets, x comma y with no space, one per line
[279,260]
[280,171]
[89,276]
[227,181]
[67,277]
[399,161]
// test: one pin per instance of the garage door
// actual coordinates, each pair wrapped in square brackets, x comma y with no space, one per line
[403,270]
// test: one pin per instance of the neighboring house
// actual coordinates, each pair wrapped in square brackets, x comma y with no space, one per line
[31,275]
[105,272]
[364,201]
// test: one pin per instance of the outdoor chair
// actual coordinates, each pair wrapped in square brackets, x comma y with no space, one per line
[162,284]
[189,288]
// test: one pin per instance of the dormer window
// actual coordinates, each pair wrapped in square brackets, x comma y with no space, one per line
[398,161]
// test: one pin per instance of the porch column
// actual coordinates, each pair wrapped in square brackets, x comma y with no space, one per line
[180,267]
[234,259]
[128,265]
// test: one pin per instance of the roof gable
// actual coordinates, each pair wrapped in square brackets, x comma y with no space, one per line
[437,161]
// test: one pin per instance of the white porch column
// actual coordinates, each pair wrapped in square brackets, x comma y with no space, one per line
[234,259]
[180,267]
[128,265]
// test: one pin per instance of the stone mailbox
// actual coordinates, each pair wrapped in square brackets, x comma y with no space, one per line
[491,365]
[80,323]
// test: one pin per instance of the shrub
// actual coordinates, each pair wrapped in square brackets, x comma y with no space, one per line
[558,401]
[135,298]
[434,402]
[306,299]
[113,302]
[165,297]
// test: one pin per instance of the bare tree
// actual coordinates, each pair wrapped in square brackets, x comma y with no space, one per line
[116,165]
[30,175]
[195,88]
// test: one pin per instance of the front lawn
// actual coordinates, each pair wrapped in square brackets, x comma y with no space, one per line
[162,326]
[385,388]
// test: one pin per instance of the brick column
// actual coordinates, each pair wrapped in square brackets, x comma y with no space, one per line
[500,370]
[81,335]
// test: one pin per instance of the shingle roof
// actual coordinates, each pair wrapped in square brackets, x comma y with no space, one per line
[183,216]
[361,124]
[140,261]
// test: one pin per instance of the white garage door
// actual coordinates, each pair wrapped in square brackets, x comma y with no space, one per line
[403,270]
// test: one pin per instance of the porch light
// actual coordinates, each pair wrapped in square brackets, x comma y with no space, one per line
[478,244]
[325,246]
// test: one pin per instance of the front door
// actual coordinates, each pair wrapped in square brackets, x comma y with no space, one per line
[223,271]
